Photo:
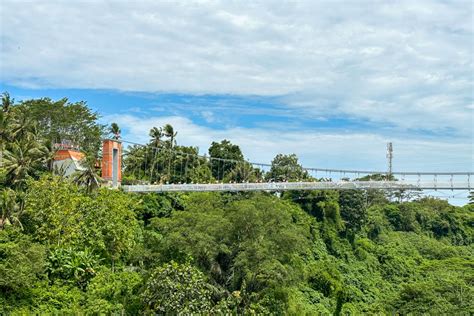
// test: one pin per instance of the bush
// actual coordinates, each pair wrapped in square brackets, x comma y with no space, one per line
[177,289]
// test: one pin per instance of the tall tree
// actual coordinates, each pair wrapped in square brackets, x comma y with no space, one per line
[286,168]
[169,132]
[134,162]
[156,133]
[353,209]
[224,158]
[7,101]
[177,289]
[115,131]
[5,119]
[21,159]
[88,176]
[62,120]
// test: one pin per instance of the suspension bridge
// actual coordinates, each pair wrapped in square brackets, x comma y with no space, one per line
[158,169]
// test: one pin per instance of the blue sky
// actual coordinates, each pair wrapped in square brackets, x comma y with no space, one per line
[213,111]
[331,81]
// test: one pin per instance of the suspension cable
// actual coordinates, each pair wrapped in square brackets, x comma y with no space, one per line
[311,169]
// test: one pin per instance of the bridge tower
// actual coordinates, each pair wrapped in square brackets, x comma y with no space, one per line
[112,162]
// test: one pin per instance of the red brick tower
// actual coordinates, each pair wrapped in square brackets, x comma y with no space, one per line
[112,162]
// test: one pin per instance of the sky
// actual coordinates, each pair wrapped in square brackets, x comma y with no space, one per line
[331,81]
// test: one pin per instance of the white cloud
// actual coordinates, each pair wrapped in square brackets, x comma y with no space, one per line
[408,64]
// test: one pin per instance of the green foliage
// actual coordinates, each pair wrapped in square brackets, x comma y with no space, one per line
[45,298]
[22,262]
[72,265]
[310,201]
[89,176]
[114,293]
[248,245]
[114,129]
[177,289]
[332,215]
[10,207]
[60,213]
[377,222]
[402,217]
[159,162]
[201,174]
[224,150]
[21,159]
[325,278]
[233,253]
[286,168]
[353,209]
[62,120]
[156,205]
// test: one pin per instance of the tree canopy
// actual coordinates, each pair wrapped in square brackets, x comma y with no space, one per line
[66,248]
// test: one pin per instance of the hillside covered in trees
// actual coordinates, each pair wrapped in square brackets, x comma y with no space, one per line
[68,245]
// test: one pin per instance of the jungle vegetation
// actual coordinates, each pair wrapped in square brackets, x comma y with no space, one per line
[69,246]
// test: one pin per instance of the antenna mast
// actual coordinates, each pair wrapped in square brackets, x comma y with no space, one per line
[389,158]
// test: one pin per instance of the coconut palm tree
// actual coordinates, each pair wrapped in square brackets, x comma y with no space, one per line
[170,133]
[134,161]
[21,125]
[4,128]
[21,158]
[88,176]
[5,119]
[156,134]
[115,131]
[7,101]
[50,151]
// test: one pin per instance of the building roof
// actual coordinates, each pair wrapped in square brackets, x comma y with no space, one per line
[64,154]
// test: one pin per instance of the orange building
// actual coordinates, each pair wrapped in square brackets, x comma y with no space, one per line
[67,160]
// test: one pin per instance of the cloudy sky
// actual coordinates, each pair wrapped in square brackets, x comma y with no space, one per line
[331,81]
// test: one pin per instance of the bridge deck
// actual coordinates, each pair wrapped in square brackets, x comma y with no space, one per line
[286,186]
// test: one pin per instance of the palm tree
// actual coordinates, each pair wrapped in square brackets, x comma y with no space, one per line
[88,176]
[50,151]
[5,119]
[7,101]
[134,161]
[156,134]
[22,125]
[4,125]
[115,131]
[21,158]
[171,134]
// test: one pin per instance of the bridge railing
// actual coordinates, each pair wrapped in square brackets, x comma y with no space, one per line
[281,186]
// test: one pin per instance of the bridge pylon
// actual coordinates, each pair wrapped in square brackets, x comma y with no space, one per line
[112,162]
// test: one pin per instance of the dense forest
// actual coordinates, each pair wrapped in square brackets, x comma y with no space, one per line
[70,245]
